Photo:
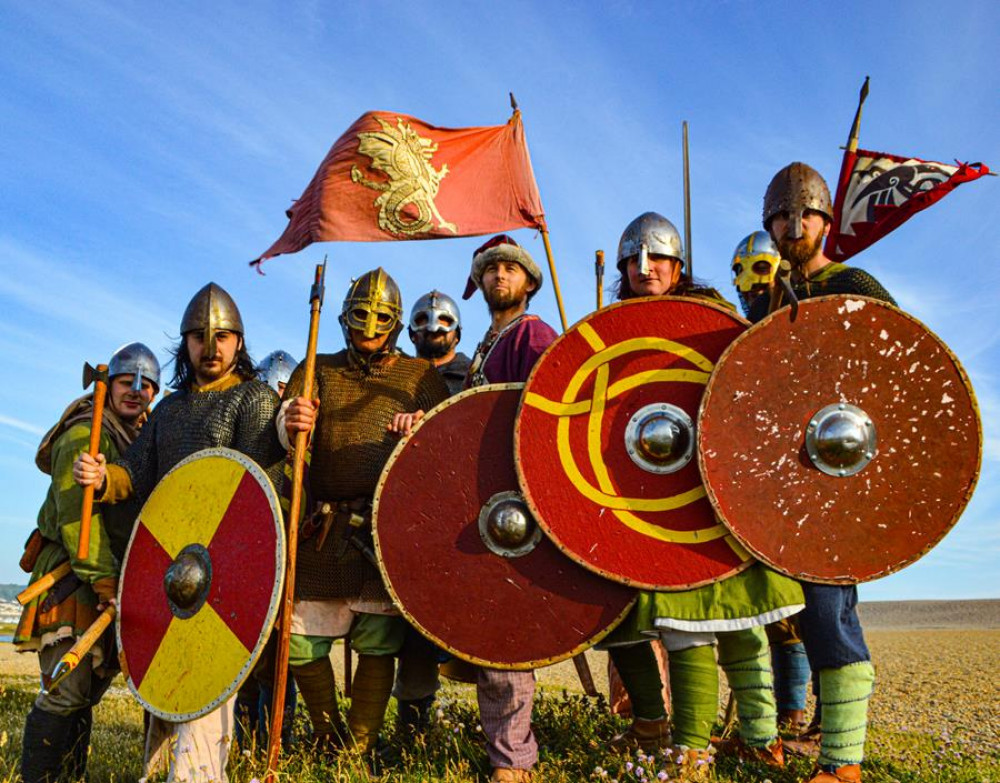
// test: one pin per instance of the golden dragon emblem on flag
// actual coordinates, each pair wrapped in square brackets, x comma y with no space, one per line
[406,204]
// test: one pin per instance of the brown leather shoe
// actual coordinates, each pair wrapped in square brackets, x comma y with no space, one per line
[792,721]
[647,735]
[506,775]
[807,743]
[773,755]
[850,773]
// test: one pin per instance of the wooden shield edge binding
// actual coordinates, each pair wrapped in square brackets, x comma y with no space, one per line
[785,312]
[521,666]
[530,501]
[275,603]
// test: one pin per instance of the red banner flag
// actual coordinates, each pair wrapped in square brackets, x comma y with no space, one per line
[883,191]
[392,177]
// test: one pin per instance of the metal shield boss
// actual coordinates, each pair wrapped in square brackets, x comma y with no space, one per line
[201,584]
[842,446]
[463,558]
[605,443]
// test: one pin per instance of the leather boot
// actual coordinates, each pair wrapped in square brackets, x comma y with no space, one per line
[847,774]
[318,687]
[46,749]
[792,721]
[808,742]
[369,697]
[648,735]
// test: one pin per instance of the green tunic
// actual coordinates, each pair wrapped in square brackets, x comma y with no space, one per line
[755,596]
[59,524]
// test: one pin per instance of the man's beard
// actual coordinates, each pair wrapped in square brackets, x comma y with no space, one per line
[429,348]
[799,251]
[502,301]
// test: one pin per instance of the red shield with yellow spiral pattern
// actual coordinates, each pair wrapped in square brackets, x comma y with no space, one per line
[605,443]
[200,584]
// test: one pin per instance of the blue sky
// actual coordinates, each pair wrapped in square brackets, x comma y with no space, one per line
[150,148]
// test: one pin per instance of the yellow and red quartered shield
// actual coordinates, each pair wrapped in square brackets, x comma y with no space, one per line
[201,584]
[605,443]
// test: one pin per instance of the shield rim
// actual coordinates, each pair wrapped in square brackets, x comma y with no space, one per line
[522,483]
[506,666]
[275,604]
[891,569]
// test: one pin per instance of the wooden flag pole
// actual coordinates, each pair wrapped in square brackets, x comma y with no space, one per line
[100,377]
[555,278]
[548,251]
[292,539]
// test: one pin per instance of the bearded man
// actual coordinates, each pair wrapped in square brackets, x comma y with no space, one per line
[359,395]
[435,331]
[508,277]
[798,213]
[218,402]
[57,731]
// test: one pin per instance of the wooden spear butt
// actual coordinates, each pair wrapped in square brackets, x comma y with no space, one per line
[37,588]
[71,659]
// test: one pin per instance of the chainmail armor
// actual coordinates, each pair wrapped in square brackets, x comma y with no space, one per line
[240,418]
[350,446]
[847,280]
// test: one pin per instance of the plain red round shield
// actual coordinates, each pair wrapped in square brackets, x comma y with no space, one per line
[768,392]
[503,612]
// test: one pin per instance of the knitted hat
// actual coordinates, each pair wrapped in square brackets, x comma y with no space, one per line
[500,248]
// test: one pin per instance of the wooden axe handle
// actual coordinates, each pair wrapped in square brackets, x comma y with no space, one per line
[43,584]
[100,392]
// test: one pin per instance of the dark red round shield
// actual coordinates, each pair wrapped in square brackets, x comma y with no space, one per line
[843,445]
[461,556]
[200,584]
[605,441]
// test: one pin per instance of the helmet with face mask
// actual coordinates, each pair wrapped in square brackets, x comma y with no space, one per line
[211,310]
[135,359]
[796,189]
[373,306]
[649,234]
[755,262]
[276,368]
[435,312]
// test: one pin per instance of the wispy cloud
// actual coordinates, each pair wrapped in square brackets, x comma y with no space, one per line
[24,426]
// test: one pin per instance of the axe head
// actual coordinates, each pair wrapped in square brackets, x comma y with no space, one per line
[94,374]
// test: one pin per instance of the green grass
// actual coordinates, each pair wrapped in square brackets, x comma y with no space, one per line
[570,730]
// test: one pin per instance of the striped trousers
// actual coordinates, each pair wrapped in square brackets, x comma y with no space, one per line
[505,700]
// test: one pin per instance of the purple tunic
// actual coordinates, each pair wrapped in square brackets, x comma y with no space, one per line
[505,697]
[517,350]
